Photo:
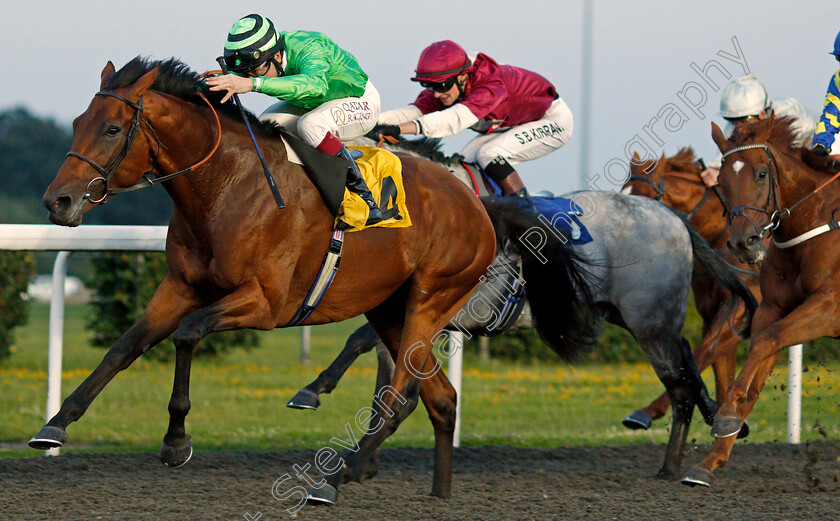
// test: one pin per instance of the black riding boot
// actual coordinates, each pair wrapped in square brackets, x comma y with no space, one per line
[357,185]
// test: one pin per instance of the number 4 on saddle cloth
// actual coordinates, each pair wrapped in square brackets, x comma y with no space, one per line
[381,170]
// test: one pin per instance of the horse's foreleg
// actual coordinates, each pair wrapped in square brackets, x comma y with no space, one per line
[811,319]
[360,342]
[701,474]
[806,322]
[245,307]
[171,301]
[718,348]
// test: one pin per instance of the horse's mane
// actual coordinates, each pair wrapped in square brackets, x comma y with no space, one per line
[426,147]
[782,137]
[682,161]
[176,79]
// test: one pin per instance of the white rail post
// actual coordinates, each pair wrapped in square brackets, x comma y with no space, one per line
[305,340]
[56,339]
[456,347]
[794,393]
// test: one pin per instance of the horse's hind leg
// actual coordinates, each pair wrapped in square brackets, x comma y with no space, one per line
[718,348]
[360,342]
[170,302]
[417,371]
[245,307]
[384,373]
[670,356]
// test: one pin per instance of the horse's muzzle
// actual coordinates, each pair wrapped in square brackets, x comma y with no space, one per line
[749,249]
[64,210]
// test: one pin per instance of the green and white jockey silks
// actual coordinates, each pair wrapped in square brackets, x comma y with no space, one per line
[323,90]
[316,71]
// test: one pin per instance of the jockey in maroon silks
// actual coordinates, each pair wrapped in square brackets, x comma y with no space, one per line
[517,112]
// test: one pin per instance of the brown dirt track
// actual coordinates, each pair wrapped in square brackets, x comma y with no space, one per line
[765,481]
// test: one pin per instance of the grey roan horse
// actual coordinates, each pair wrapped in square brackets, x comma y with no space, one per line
[641,264]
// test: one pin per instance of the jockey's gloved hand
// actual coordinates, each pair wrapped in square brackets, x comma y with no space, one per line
[820,150]
[387,131]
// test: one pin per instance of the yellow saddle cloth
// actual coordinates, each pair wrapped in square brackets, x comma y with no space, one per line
[382,171]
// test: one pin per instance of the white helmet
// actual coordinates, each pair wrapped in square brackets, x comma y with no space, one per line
[744,97]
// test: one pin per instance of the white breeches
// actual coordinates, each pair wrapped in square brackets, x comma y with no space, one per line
[345,118]
[524,142]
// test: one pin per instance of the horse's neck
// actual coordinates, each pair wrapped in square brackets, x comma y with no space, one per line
[683,191]
[796,181]
[226,182]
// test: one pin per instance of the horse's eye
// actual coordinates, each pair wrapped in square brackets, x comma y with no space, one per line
[761,173]
[113,130]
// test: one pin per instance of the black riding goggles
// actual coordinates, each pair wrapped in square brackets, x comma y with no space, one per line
[246,60]
[442,86]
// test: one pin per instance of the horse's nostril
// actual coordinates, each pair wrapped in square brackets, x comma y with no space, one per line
[59,204]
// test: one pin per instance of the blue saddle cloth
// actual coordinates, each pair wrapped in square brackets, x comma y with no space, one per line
[563,214]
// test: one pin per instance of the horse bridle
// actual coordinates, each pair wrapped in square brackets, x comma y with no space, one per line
[105,173]
[660,192]
[772,196]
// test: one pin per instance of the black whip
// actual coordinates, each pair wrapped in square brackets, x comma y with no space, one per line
[268,177]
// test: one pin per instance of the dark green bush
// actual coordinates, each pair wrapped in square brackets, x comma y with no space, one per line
[123,284]
[15,269]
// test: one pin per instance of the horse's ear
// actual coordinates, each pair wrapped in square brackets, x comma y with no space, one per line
[717,136]
[767,125]
[142,85]
[107,72]
[635,163]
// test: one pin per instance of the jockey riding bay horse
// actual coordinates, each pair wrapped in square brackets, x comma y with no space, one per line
[236,261]
[773,188]
[675,181]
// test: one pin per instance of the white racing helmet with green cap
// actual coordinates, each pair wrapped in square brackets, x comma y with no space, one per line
[252,41]
[744,97]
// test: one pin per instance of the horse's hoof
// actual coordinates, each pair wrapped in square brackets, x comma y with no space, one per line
[697,477]
[745,430]
[638,420]
[48,437]
[174,457]
[726,426]
[304,399]
[324,495]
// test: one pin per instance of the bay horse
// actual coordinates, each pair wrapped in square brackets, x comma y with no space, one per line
[675,181]
[236,261]
[774,188]
[632,238]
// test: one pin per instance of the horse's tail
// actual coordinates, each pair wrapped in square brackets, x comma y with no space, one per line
[557,282]
[723,272]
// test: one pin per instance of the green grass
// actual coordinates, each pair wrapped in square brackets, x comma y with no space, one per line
[238,401]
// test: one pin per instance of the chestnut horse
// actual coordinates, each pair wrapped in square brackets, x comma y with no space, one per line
[236,261]
[675,181]
[774,188]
